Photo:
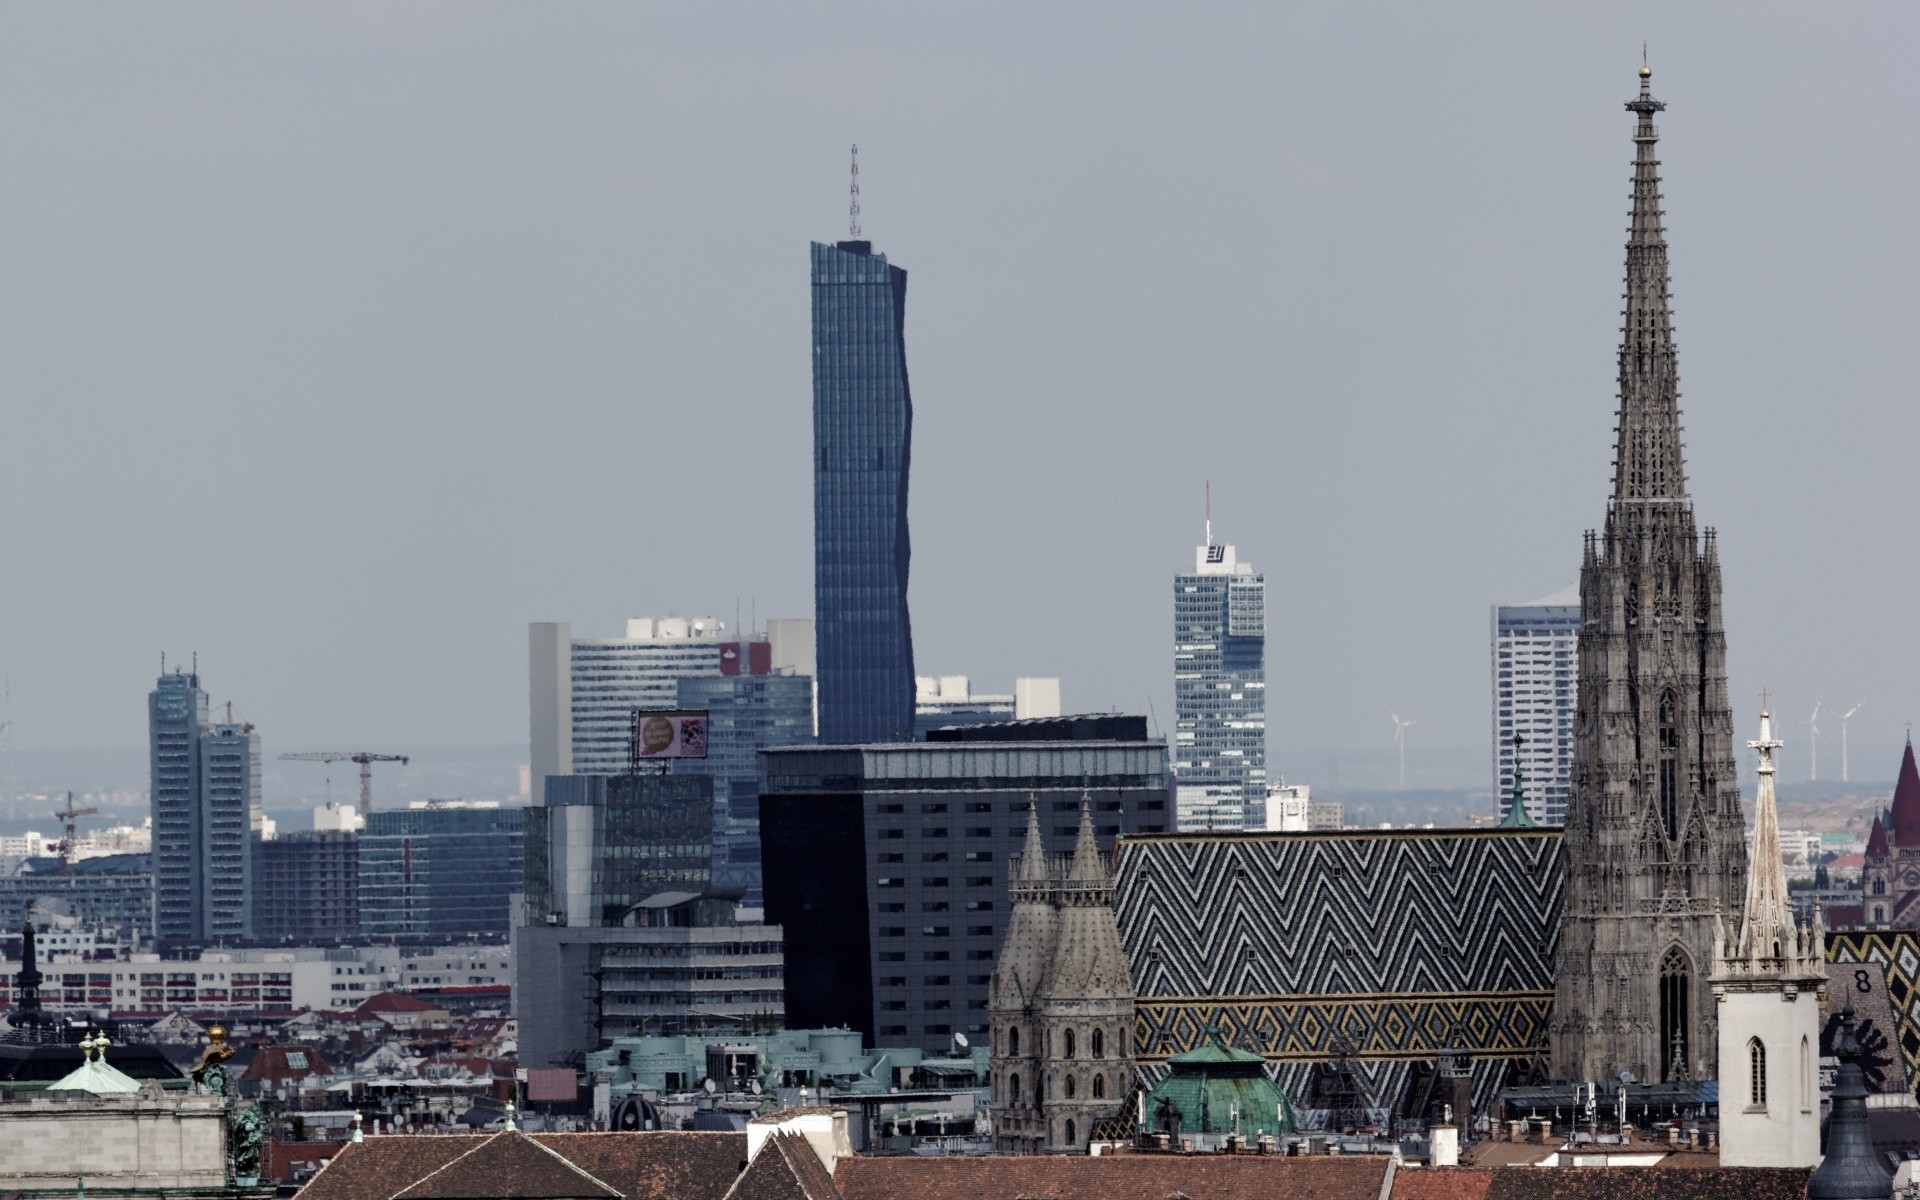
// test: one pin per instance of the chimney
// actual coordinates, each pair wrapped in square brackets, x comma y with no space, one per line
[1443,1146]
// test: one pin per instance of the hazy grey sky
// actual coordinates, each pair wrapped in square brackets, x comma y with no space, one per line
[341,340]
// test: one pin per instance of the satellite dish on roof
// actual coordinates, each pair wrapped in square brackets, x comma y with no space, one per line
[960,1041]
[709,1085]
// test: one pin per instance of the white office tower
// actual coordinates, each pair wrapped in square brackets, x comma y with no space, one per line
[1768,970]
[1220,692]
[1534,673]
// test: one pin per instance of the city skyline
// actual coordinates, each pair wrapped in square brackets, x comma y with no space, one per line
[1017,476]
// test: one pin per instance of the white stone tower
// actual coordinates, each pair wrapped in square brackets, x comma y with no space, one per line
[1768,972]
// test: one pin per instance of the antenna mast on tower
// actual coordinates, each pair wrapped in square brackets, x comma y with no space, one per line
[853,198]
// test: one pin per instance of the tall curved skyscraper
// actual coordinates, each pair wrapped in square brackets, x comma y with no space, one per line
[862,436]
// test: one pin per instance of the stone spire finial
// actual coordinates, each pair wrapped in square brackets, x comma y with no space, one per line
[1033,854]
[1088,866]
[1647,458]
[1767,916]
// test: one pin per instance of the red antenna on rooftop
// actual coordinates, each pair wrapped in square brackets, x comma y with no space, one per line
[853,200]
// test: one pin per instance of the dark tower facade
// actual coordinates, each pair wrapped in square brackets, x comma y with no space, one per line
[1655,854]
[862,433]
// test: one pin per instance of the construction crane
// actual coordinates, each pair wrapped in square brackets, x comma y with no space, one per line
[366,760]
[67,816]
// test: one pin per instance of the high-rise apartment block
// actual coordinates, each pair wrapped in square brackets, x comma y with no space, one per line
[1535,672]
[1220,691]
[862,434]
[206,812]
[306,888]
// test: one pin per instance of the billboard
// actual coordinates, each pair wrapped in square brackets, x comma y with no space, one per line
[679,734]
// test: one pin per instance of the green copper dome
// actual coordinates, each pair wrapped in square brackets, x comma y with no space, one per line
[1216,1088]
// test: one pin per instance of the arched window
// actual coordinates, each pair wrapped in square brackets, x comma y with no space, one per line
[1099,1043]
[1069,1087]
[1072,1138]
[1879,913]
[1757,1074]
[1676,1010]
[1069,1043]
[1879,887]
[1013,1089]
[1669,766]
[1806,1076]
[1013,1040]
[1099,1087]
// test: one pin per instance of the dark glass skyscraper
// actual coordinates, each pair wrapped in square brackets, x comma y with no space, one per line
[206,812]
[862,432]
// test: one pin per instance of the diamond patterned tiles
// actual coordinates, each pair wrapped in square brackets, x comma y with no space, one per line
[1400,942]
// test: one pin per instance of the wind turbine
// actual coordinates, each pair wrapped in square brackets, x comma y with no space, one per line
[1400,742]
[1844,718]
[1813,741]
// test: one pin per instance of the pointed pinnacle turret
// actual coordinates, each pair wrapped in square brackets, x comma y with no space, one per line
[1767,916]
[1033,855]
[1647,462]
[1087,865]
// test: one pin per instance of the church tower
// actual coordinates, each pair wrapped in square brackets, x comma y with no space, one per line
[1060,1007]
[1768,972]
[1653,847]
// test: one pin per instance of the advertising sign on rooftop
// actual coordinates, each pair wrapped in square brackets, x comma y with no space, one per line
[681,734]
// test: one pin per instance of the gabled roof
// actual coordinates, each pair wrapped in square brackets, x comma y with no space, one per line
[639,1166]
[786,1168]
[509,1166]
[1906,801]
[1114,1177]
[391,1002]
[275,1063]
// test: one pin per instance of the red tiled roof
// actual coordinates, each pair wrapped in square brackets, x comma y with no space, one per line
[1646,1183]
[509,1166]
[1840,916]
[380,1166]
[656,1166]
[391,1002]
[785,1169]
[1116,1177]
[1906,802]
[1444,1183]
[270,1064]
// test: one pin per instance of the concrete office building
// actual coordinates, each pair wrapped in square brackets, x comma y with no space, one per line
[114,891]
[306,888]
[886,864]
[862,441]
[206,812]
[1535,670]
[941,701]
[623,931]
[440,869]
[582,691]
[1220,691]
[680,963]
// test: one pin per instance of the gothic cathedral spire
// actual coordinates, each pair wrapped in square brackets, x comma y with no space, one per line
[1654,846]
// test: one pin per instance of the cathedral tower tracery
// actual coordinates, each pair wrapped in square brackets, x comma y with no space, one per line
[1655,850]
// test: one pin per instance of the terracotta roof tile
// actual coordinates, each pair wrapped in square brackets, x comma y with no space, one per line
[380,1166]
[658,1165]
[1642,1183]
[1116,1177]
[785,1169]
[509,1166]
[1444,1183]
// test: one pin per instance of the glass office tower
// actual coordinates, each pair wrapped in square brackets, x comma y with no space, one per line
[1220,692]
[862,432]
